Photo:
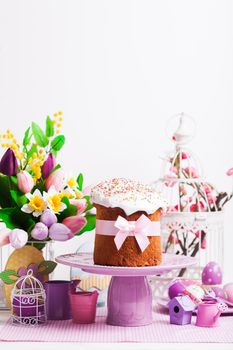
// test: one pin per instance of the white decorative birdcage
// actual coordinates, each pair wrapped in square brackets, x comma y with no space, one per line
[28,301]
[5,252]
[193,223]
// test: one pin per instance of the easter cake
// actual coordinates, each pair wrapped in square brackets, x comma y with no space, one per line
[127,223]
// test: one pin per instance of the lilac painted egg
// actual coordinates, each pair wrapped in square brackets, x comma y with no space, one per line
[228,289]
[212,274]
[175,289]
[219,292]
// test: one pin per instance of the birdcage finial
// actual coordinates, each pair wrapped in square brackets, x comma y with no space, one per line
[185,130]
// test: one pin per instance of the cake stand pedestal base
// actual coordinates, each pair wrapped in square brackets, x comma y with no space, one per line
[129,301]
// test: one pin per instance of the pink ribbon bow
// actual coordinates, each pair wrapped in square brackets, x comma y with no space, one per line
[133,228]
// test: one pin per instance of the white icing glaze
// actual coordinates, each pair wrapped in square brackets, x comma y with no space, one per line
[129,195]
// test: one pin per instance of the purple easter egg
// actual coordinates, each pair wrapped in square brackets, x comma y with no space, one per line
[175,289]
[228,289]
[219,292]
[212,274]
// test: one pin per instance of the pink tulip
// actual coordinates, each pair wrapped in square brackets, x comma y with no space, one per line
[174,209]
[184,155]
[203,244]
[40,231]
[75,223]
[25,181]
[191,171]
[194,207]
[230,172]
[60,232]
[211,197]
[18,238]
[56,179]
[173,238]
[174,170]
[4,236]
[81,204]
[207,188]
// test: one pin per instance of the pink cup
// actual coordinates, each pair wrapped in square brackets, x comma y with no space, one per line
[208,313]
[83,306]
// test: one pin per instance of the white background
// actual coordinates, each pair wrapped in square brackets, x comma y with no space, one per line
[118,70]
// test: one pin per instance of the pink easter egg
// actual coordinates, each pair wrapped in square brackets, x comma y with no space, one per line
[219,292]
[212,274]
[228,289]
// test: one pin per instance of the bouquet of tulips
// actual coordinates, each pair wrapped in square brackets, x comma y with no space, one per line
[38,201]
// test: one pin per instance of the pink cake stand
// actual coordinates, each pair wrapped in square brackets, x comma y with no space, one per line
[129,293]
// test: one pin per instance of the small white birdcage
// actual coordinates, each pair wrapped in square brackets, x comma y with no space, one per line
[193,223]
[28,301]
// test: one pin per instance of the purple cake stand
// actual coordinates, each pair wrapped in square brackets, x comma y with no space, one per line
[129,293]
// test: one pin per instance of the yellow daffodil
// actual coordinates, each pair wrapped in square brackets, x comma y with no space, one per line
[54,200]
[36,205]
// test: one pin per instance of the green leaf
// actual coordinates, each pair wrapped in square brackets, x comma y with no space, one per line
[49,127]
[5,195]
[19,198]
[39,135]
[70,210]
[46,267]
[58,142]
[80,181]
[5,276]
[27,137]
[91,220]
[58,166]
[32,150]
[89,203]
[15,218]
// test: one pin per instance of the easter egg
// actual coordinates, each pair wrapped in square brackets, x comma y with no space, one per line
[219,292]
[175,289]
[228,289]
[22,257]
[212,274]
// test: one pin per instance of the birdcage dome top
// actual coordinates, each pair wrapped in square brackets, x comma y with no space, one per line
[28,284]
[181,181]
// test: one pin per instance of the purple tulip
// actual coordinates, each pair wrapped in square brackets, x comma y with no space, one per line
[48,165]
[60,232]
[48,218]
[40,231]
[8,163]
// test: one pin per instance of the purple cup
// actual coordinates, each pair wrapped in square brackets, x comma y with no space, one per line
[57,300]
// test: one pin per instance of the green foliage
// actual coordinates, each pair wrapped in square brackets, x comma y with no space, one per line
[19,198]
[89,203]
[32,150]
[57,143]
[80,181]
[91,221]
[5,276]
[15,218]
[39,135]
[49,127]
[5,195]
[27,138]
[70,210]
[46,267]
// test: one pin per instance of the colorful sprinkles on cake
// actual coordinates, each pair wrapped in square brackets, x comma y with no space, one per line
[129,195]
